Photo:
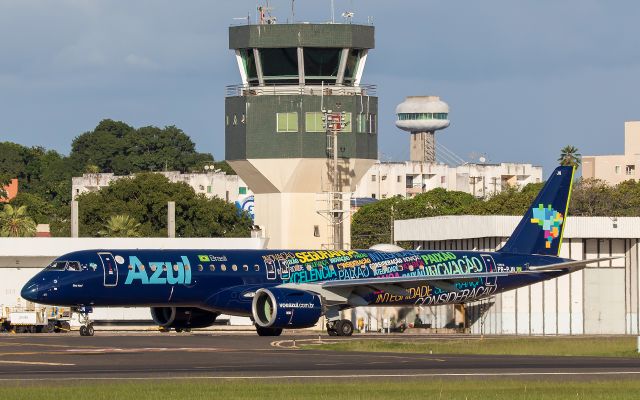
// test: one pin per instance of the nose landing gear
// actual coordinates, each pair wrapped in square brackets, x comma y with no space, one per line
[83,316]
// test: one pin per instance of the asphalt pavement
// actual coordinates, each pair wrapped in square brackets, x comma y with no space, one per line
[242,355]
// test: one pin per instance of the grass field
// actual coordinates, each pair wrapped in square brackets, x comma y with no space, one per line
[552,346]
[340,389]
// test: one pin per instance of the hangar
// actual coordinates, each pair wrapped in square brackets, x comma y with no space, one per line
[601,299]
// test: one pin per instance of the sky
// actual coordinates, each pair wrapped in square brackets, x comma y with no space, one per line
[522,78]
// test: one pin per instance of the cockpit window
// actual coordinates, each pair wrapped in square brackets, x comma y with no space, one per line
[57,266]
[73,266]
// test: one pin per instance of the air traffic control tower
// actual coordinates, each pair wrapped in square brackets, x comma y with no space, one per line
[301,129]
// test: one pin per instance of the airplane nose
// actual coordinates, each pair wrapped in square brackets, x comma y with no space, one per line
[30,292]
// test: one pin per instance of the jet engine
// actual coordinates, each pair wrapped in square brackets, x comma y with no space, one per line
[286,308]
[181,318]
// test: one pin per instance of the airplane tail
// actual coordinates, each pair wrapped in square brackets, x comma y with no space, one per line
[540,230]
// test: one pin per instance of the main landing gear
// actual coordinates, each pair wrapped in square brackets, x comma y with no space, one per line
[340,327]
[87,326]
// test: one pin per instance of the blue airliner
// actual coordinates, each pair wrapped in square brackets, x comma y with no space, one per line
[290,289]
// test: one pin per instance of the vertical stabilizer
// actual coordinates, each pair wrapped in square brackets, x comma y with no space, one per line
[540,230]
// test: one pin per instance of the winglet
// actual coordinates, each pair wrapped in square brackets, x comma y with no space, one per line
[540,230]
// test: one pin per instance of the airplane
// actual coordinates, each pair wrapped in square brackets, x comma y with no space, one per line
[293,289]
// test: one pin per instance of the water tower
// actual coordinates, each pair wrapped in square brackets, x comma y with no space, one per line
[295,78]
[422,116]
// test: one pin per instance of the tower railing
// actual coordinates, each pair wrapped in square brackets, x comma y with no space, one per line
[289,89]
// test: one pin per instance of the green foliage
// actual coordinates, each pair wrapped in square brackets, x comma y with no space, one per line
[145,198]
[121,226]
[224,167]
[42,211]
[14,222]
[373,223]
[114,146]
[569,156]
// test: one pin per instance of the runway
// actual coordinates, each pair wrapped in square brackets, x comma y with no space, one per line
[108,356]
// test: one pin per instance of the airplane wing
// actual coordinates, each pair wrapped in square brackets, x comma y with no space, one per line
[398,285]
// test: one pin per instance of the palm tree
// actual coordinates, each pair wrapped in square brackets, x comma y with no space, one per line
[14,222]
[121,226]
[569,156]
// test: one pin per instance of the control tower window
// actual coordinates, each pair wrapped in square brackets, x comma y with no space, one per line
[287,122]
[321,64]
[347,122]
[352,65]
[280,65]
[249,65]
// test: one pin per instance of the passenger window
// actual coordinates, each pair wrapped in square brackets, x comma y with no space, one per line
[212,267]
[223,267]
[256,267]
[200,268]
[234,267]
[245,268]
[73,266]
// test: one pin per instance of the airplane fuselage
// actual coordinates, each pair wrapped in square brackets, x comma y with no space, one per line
[225,281]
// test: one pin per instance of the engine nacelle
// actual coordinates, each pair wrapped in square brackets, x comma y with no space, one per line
[182,317]
[286,308]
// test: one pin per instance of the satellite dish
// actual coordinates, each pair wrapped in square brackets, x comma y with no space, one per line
[482,160]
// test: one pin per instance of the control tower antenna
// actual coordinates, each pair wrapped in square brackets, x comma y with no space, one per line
[263,11]
[333,12]
[293,11]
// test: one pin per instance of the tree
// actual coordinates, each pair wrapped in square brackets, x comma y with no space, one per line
[569,156]
[121,226]
[14,222]
[114,146]
[144,198]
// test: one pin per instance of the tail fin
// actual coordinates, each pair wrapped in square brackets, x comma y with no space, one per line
[540,230]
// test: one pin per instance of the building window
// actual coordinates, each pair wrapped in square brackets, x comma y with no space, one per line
[399,179]
[208,189]
[227,120]
[361,120]
[287,122]
[242,190]
[373,195]
[373,178]
[316,231]
[347,122]
[235,120]
[313,122]
[630,170]
[373,124]
[443,179]
[617,169]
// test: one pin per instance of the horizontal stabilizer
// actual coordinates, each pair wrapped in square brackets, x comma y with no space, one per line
[571,265]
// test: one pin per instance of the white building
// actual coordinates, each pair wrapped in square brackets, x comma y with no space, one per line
[601,299]
[406,179]
[614,169]
[22,258]
[212,184]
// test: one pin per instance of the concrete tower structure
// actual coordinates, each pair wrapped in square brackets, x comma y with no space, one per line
[281,134]
[422,116]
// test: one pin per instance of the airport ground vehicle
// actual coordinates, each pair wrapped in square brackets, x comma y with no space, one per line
[35,319]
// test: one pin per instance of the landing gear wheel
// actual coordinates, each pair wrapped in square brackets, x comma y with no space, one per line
[83,330]
[331,328]
[90,331]
[50,328]
[268,331]
[344,327]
